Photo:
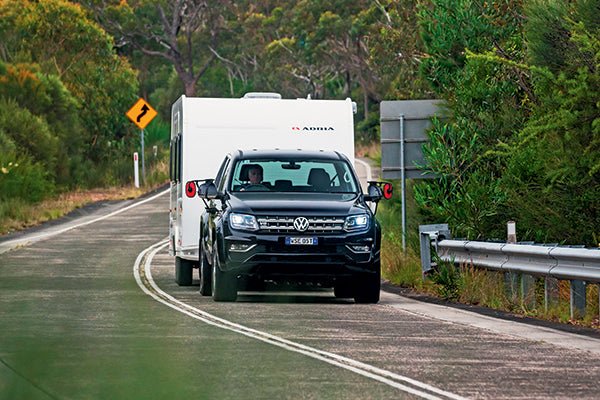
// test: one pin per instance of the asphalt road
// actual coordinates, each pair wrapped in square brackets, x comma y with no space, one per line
[76,322]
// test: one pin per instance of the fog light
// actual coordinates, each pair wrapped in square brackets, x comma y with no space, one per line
[240,247]
[360,248]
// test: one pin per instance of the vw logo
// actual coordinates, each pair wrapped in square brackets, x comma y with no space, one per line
[300,224]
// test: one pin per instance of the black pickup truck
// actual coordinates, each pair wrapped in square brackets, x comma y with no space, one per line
[288,216]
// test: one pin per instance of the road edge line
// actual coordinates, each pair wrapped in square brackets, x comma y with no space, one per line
[358,367]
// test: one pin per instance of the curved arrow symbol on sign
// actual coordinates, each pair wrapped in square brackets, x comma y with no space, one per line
[145,109]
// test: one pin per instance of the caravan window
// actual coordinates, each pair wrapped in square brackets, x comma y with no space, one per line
[180,158]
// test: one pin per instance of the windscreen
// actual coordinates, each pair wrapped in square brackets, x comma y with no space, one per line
[325,176]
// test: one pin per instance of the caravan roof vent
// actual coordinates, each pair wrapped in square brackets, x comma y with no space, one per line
[262,95]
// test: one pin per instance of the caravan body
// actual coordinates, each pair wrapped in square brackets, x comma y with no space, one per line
[204,130]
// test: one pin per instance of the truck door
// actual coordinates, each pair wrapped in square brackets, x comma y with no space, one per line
[220,182]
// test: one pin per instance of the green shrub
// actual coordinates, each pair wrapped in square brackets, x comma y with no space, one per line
[30,133]
[21,178]
[449,280]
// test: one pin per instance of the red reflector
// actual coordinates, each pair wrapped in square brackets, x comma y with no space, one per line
[190,189]
[388,190]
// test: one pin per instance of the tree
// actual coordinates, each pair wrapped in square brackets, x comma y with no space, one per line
[59,37]
[334,49]
[183,32]
[45,97]
[553,172]
[489,102]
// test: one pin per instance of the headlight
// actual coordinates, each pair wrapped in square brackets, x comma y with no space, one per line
[243,222]
[356,222]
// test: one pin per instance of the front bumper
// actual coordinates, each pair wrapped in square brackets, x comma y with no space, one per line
[268,256]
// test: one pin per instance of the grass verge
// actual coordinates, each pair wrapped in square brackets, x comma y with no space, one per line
[467,284]
[17,215]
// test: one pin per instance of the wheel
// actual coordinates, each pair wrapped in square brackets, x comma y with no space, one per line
[205,275]
[368,287]
[224,285]
[183,271]
[343,289]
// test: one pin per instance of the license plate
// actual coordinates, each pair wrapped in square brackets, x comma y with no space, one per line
[306,241]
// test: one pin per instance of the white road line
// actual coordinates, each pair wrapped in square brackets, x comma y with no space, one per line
[11,244]
[378,374]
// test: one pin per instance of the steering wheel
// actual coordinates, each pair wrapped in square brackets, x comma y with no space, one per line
[256,187]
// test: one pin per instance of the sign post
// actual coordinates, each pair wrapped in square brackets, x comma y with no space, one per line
[404,126]
[142,134]
[136,170]
[142,114]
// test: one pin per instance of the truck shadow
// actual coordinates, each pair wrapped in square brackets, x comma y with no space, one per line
[320,296]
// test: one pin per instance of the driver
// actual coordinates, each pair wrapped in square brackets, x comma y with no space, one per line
[255,175]
[255,179]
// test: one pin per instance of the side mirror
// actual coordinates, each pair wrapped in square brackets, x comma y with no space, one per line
[374,192]
[205,190]
[378,190]
[208,190]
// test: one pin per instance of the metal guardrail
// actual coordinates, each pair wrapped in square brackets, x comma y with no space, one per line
[556,262]
[519,263]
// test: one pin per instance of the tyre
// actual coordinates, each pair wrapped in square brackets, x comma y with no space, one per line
[368,287]
[224,285]
[205,273]
[183,271]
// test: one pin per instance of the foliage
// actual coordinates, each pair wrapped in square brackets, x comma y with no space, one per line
[466,195]
[30,135]
[520,77]
[368,130]
[23,179]
[553,174]
[58,36]
[47,98]
[185,34]
[483,99]
[523,140]
[449,28]
[449,281]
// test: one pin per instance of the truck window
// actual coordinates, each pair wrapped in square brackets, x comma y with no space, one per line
[327,176]
[222,173]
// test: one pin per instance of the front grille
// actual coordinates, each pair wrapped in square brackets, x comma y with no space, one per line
[315,224]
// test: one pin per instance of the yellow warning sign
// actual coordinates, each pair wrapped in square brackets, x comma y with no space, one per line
[141,113]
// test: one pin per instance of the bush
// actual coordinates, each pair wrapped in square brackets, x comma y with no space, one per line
[449,279]
[21,178]
[29,133]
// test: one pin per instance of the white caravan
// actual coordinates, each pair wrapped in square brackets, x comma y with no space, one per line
[204,130]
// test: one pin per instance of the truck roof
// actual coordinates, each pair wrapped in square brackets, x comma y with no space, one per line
[254,154]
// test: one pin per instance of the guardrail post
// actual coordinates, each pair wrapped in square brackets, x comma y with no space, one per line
[511,279]
[427,235]
[425,252]
[528,291]
[577,305]
[511,286]
[550,292]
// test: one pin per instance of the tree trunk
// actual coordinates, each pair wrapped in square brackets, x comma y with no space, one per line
[347,85]
[366,102]
[189,87]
